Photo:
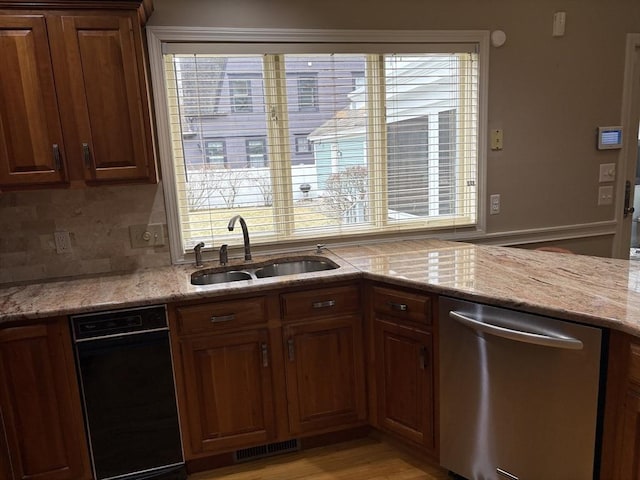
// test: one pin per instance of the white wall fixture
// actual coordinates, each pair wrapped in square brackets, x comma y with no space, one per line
[607,172]
[495,204]
[559,22]
[496,139]
[605,195]
[498,38]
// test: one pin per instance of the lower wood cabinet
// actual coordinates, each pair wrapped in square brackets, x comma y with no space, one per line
[325,374]
[230,397]
[621,438]
[628,462]
[224,374]
[40,403]
[402,365]
[251,371]
[404,377]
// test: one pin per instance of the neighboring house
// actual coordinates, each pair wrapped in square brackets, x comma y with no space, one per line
[421,136]
[224,107]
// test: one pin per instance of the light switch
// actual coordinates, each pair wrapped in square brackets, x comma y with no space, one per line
[496,139]
[607,172]
[559,22]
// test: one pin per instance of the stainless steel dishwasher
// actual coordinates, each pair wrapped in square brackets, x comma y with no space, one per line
[518,394]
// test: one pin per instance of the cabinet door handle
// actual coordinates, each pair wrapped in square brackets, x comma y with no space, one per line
[423,357]
[57,161]
[223,318]
[86,155]
[401,307]
[291,348]
[326,304]
[265,354]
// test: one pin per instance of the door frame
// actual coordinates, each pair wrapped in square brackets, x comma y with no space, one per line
[628,154]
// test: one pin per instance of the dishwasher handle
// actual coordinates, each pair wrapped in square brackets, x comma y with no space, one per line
[517,335]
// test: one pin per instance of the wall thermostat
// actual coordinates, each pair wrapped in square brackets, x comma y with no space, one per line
[609,138]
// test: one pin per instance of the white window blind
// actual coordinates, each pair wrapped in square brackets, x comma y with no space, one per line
[330,143]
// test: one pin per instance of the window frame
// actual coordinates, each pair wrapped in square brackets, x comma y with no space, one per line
[302,139]
[223,144]
[234,97]
[336,41]
[263,142]
[304,92]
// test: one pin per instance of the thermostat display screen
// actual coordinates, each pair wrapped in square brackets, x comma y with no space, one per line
[609,138]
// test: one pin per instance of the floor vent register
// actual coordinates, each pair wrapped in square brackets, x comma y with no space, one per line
[268,450]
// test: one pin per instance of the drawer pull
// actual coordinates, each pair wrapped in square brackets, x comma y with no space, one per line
[57,161]
[423,357]
[265,355]
[291,348]
[223,318]
[400,307]
[326,304]
[86,155]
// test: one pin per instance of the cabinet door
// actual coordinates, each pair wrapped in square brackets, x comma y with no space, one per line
[325,374]
[227,378]
[628,467]
[31,144]
[404,369]
[106,84]
[40,403]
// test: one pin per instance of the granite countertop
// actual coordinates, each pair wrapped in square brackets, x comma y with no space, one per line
[599,291]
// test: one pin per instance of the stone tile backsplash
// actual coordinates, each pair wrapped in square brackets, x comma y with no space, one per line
[97,219]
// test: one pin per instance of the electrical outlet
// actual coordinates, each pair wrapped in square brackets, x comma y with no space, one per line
[146,235]
[605,195]
[63,242]
[494,204]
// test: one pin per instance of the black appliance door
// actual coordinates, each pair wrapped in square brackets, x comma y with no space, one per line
[130,403]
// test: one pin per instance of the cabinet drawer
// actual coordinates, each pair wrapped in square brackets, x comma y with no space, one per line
[404,305]
[320,302]
[634,362]
[220,315]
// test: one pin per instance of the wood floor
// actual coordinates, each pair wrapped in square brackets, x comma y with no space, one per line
[363,459]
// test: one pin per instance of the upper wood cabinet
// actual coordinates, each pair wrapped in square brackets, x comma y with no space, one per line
[40,403]
[75,105]
[32,149]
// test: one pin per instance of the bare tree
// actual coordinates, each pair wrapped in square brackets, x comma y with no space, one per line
[262,179]
[229,185]
[346,193]
[202,183]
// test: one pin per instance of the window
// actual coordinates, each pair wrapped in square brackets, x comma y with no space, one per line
[215,152]
[358,79]
[307,93]
[256,152]
[303,145]
[384,137]
[240,92]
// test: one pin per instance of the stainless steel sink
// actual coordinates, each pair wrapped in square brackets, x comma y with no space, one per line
[204,277]
[269,268]
[292,267]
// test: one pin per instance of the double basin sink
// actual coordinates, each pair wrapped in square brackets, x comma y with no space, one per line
[271,268]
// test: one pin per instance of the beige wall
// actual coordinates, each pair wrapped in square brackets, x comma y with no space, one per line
[547,94]
[98,220]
